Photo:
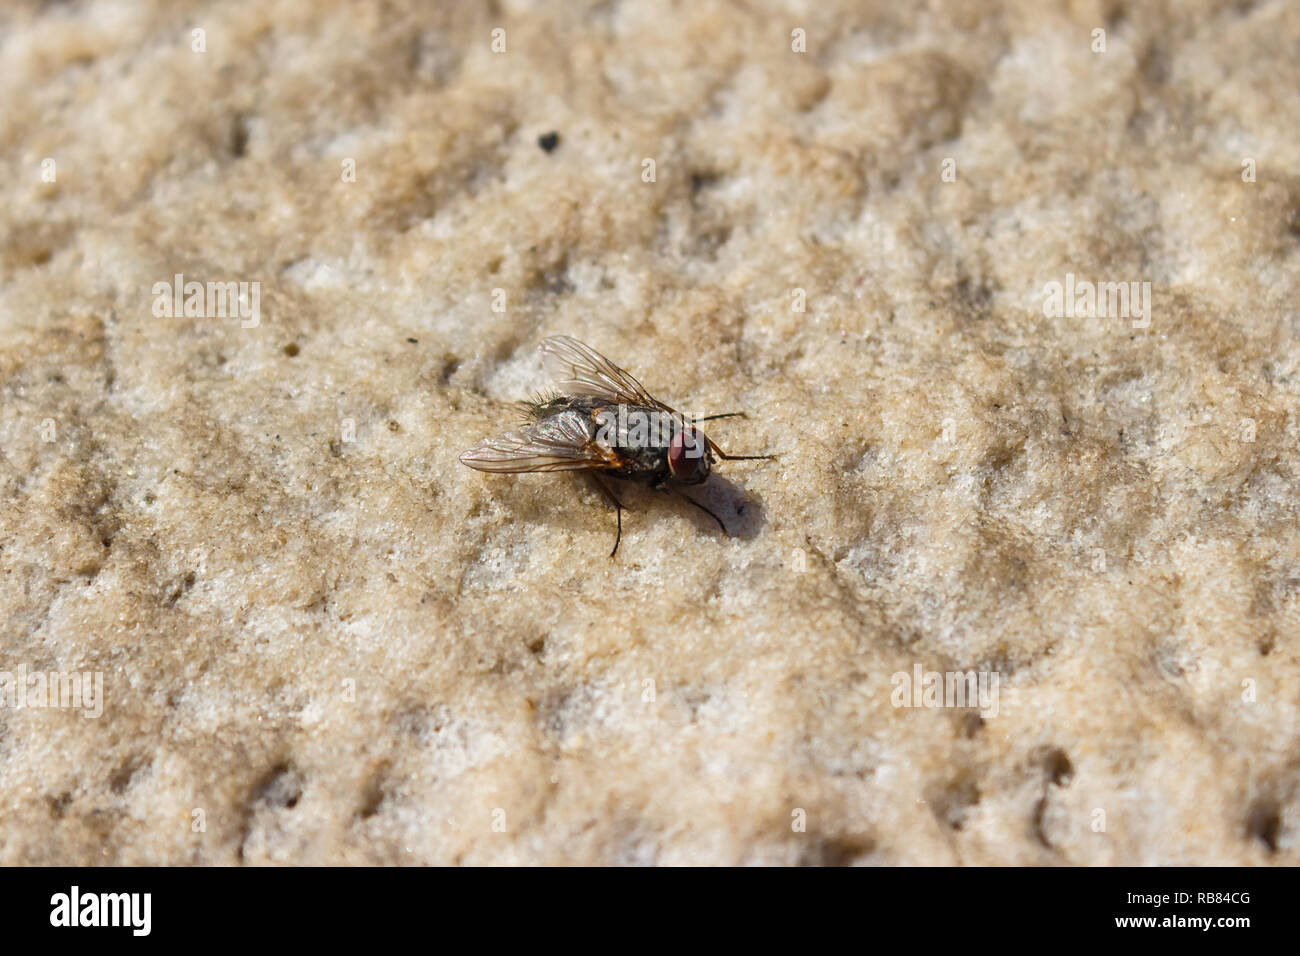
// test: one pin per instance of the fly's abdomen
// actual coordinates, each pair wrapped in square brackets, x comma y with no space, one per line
[568,422]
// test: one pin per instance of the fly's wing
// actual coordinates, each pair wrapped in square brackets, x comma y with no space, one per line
[559,443]
[580,370]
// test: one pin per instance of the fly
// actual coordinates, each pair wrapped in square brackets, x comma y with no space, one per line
[601,421]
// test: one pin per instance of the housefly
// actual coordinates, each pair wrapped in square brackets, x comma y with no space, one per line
[600,420]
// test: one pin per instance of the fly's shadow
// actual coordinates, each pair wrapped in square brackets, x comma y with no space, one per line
[720,508]
[740,511]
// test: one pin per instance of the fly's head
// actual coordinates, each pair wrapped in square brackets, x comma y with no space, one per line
[689,456]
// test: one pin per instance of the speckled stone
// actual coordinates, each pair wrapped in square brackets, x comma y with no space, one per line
[322,639]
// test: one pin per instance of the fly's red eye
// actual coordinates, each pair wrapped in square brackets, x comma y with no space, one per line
[686,456]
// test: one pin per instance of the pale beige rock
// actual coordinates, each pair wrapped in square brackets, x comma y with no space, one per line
[322,639]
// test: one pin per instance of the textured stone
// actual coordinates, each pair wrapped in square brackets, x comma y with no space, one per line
[323,639]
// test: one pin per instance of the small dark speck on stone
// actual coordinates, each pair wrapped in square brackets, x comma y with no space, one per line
[548,141]
[414,341]
[291,349]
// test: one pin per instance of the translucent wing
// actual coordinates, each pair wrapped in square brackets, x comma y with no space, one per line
[580,370]
[562,442]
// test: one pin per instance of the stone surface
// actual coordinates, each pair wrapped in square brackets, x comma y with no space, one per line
[323,639]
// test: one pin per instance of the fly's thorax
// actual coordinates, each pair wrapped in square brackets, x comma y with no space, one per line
[652,444]
[636,429]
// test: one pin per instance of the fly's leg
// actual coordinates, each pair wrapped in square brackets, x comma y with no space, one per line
[704,509]
[715,450]
[618,509]
[722,454]
[725,457]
